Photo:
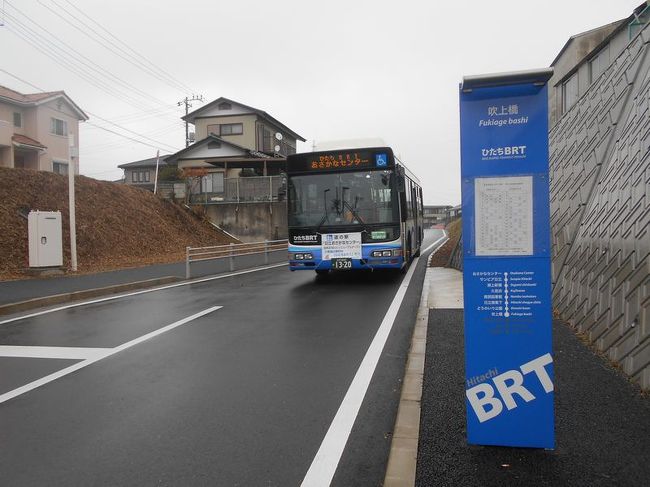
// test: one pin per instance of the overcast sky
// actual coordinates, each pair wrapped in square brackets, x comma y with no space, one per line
[328,70]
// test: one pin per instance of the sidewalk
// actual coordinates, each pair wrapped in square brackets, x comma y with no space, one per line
[602,421]
[22,290]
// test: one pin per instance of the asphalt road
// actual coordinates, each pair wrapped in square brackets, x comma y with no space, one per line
[232,381]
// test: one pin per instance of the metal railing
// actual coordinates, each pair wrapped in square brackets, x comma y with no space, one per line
[254,189]
[230,251]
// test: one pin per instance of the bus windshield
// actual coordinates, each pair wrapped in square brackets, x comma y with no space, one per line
[346,198]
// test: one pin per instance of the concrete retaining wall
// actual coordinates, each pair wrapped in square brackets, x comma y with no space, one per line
[600,211]
[251,222]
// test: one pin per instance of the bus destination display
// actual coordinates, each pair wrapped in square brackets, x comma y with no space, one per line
[340,161]
[344,160]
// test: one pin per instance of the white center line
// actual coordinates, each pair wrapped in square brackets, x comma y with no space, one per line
[108,352]
[71,353]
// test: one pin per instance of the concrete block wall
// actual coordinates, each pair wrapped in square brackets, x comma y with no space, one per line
[251,222]
[600,211]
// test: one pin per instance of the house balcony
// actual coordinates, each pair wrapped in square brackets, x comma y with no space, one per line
[261,189]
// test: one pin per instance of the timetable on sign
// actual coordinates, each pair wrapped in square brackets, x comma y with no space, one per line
[504,215]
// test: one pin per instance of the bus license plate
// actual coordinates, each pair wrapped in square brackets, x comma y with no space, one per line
[342,264]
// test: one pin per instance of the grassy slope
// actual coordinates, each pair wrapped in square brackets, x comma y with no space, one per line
[117,225]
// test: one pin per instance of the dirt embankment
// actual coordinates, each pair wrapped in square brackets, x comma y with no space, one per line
[117,226]
[441,257]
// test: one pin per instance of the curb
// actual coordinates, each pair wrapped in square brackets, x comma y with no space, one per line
[402,460]
[85,294]
[403,456]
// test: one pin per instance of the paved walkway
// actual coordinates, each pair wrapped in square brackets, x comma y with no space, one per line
[21,290]
[16,291]
[602,421]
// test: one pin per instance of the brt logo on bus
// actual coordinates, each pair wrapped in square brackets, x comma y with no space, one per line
[487,404]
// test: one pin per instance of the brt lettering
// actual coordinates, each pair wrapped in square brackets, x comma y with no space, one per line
[487,405]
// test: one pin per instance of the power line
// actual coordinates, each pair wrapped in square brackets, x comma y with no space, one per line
[131,131]
[109,146]
[81,61]
[127,137]
[136,58]
[101,118]
[78,71]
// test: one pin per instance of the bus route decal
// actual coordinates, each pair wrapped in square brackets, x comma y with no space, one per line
[341,245]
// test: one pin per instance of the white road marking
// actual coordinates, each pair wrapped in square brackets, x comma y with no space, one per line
[111,351]
[72,353]
[444,236]
[135,293]
[327,458]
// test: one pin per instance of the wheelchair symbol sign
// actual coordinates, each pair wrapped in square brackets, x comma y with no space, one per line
[381,160]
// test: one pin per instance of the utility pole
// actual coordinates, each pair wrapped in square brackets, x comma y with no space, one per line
[71,203]
[188,105]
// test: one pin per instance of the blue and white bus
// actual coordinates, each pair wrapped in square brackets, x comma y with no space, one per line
[352,209]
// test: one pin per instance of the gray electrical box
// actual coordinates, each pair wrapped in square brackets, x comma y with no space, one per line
[45,239]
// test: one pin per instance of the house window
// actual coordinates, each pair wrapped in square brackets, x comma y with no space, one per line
[60,167]
[569,93]
[58,127]
[598,64]
[224,106]
[18,119]
[231,129]
[212,183]
[140,177]
[226,129]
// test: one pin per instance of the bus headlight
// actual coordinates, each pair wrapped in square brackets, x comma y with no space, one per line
[302,256]
[383,253]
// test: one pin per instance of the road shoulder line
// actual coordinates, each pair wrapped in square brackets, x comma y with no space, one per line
[326,461]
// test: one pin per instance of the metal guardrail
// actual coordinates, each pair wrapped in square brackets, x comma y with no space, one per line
[230,251]
[253,189]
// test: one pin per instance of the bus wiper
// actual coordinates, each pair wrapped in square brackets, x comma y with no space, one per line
[326,215]
[349,207]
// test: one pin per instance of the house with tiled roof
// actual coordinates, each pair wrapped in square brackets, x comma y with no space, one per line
[142,173]
[235,140]
[235,168]
[34,130]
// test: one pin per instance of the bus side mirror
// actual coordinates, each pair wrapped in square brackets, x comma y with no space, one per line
[401,183]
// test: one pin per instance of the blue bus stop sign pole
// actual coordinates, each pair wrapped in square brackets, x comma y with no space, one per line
[506,265]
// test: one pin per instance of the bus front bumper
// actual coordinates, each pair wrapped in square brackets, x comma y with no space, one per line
[357,264]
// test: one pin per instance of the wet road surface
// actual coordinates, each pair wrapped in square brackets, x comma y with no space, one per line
[232,381]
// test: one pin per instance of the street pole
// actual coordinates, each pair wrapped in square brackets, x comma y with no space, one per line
[155,183]
[71,206]
[187,104]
